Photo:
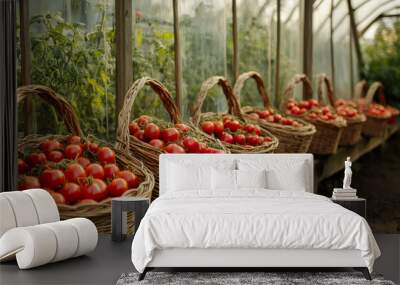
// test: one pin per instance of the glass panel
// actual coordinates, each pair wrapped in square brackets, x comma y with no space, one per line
[203,29]
[257,39]
[291,59]
[153,52]
[73,52]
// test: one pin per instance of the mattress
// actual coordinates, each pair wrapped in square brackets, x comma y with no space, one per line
[250,219]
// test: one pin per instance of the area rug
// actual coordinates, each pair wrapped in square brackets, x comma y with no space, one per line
[243,278]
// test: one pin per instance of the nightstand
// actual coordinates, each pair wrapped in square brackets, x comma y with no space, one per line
[119,208]
[358,205]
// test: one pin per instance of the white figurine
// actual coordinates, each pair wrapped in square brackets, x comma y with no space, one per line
[347,174]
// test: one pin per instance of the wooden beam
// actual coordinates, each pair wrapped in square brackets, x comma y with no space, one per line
[124,73]
[352,83]
[321,26]
[26,66]
[376,19]
[355,38]
[307,41]
[278,52]
[178,57]
[331,44]
[235,40]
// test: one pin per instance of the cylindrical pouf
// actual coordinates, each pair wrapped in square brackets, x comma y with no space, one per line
[7,218]
[23,208]
[45,205]
[37,245]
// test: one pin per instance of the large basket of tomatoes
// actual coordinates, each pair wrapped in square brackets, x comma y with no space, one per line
[328,124]
[236,133]
[81,174]
[294,134]
[347,109]
[147,137]
[378,115]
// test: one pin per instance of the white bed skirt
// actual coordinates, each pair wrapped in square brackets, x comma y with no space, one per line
[191,257]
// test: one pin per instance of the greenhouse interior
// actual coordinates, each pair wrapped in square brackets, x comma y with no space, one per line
[200,142]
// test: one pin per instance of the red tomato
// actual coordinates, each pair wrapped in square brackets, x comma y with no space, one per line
[295,110]
[257,130]
[86,202]
[271,118]
[133,128]
[22,166]
[132,179]
[191,145]
[325,110]
[313,102]
[218,127]
[202,147]
[312,116]
[73,140]
[239,139]
[106,155]
[291,105]
[174,148]
[93,147]
[157,143]
[117,187]
[151,132]
[235,125]
[226,119]
[277,118]
[28,182]
[55,156]
[287,122]
[182,127]
[72,151]
[83,161]
[95,190]
[264,114]
[225,137]
[252,140]
[139,135]
[49,145]
[170,135]
[207,127]
[110,171]
[71,192]
[95,170]
[267,140]
[36,158]
[143,120]
[58,197]
[305,104]
[212,150]
[74,172]
[250,128]
[52,178]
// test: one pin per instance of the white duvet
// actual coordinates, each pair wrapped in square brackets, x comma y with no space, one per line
[252,218]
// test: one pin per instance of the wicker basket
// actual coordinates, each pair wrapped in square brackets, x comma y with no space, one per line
[145,152]
[352,133]
[234,110]
[99,213]
[327,137]
[375,126]
[291,139]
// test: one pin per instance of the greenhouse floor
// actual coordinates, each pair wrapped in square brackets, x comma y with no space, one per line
[110,259]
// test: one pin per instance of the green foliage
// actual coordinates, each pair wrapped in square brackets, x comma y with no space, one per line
[383,60]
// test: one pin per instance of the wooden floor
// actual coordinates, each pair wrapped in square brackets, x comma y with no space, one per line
[110,260]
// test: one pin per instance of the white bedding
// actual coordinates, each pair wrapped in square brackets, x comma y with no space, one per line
[251,218]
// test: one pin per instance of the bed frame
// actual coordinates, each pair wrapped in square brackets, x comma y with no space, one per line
[242,259]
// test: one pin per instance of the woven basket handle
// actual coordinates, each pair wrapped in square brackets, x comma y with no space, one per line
[241,80]
[325,80]
[63,108]
[288,94]
[124,116]
[360,89]
[375,88]
[233,104]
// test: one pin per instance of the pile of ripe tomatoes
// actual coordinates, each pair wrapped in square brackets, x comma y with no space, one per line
[311,110]
[270,116]
[171,139]
[74,171]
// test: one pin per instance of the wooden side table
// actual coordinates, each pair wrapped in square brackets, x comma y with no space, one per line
[358,205]
[119,208]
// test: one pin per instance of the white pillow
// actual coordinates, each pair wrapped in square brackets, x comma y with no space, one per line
[251,178]
[182,177]
[295,180]
[282,174]
[224,179]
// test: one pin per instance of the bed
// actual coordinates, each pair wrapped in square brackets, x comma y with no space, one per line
[246,211]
